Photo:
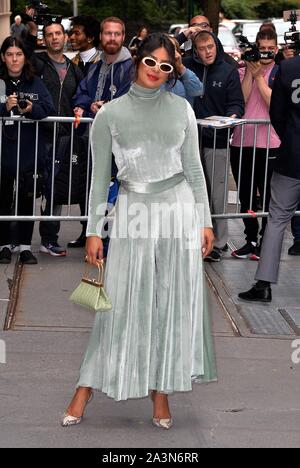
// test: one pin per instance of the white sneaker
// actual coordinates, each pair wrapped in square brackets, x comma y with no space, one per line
[54,249]
[15,248]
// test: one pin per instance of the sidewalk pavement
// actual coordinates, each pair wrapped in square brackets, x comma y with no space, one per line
[254,404]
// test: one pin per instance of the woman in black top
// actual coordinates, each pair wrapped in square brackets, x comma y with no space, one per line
[136,41]
[21,94]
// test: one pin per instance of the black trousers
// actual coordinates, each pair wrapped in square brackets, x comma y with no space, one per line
[25,208]
[252,224]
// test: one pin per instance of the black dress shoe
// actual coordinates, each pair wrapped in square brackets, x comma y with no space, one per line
[80,242]
[27,258]
[295,249]
[5,256]
[257,294]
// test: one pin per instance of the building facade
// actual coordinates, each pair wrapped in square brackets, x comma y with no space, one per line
[4,19]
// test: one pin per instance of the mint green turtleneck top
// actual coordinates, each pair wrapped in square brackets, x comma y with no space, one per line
[153,135]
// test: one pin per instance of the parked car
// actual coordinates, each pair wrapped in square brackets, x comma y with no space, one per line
[247,28]
[229,42]
[66,22]
[176,29]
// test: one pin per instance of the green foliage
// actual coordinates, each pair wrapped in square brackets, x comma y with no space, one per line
[241,8]
[149,11]
[63,7]
[258,8]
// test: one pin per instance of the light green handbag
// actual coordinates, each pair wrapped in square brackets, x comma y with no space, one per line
[90,293]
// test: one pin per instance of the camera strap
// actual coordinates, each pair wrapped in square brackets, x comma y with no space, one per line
[272,76]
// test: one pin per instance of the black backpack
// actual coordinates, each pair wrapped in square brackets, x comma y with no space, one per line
[62,171]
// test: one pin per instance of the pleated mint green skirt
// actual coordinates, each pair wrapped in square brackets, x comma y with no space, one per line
[158,335]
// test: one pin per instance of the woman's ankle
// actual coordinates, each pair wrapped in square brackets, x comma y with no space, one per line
[160,406]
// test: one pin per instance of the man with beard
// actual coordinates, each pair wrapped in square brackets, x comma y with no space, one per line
[108,79]
[111,77]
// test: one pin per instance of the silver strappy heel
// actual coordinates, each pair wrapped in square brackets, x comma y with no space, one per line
[69,420]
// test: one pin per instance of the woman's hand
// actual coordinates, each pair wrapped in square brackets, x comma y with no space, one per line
[179,65]
[78,111]
[96,106]
[94,250]
[208,241]
[27,109]
[11,102]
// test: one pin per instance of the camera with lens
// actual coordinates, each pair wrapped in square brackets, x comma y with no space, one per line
[252,52]
[292,37]
[22,99]
[42,15]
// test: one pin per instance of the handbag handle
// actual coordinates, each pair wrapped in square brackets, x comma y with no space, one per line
[99,281]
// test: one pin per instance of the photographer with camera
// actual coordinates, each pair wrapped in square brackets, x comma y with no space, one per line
[257,81]
[22,93]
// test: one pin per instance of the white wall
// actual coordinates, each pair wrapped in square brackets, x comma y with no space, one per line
[4,19]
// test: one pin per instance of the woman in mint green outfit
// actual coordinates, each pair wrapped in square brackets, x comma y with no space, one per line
[157,337]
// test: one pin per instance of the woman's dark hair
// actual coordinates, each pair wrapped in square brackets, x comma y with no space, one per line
[267,25]
[150,44]
[91,27]
[267,34]
[28,70]
[141,29]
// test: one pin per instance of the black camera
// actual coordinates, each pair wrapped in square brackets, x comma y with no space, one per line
[42,14]
[252,52]
[22,99]
[292,37]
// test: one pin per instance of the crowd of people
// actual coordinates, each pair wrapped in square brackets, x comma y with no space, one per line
[145,102]
[103,70]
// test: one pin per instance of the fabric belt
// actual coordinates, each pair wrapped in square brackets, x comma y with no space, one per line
[153,187]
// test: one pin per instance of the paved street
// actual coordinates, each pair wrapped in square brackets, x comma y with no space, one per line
[254,404]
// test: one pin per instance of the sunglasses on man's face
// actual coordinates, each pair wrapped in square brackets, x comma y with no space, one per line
[164,67]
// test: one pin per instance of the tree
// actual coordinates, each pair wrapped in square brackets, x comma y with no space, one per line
[258,8]
[211,9]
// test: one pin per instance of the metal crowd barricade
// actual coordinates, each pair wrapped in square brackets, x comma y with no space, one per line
[228,212]
[56,121]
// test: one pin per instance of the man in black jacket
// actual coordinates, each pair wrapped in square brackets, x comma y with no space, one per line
[62,78]
[197,24]
[285,185]
[222,96]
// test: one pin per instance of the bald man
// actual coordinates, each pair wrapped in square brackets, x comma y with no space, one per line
[199,23]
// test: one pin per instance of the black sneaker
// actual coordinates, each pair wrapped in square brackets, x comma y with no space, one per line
[225,248]
[80,242]
[27,258]
[295,249]
[214,256]
[246,251]
[5,256]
